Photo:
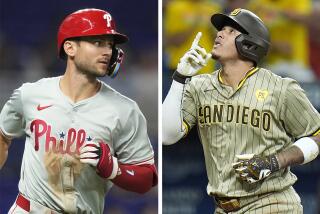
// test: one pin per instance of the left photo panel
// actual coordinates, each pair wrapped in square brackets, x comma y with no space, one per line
[79,107]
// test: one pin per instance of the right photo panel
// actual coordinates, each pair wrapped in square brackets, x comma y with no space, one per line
[241,103]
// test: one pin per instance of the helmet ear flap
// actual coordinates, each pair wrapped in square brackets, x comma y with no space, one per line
[115,61]
[250,47]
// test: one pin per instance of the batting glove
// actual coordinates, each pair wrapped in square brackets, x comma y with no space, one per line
[99,156]
[194,59]
[253,168]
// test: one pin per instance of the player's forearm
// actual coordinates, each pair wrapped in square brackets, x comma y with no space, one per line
[136,178]
[317,139]
[4,147]
[295,155]
[291,156]
[172,129]
[253,168]
[3,154]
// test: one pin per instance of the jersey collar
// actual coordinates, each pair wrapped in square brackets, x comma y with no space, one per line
[248,74]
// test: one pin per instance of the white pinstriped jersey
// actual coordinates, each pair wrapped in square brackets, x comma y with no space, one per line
[264,115]
[55,128]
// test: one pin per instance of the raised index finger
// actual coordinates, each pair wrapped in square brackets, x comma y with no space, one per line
[196,40]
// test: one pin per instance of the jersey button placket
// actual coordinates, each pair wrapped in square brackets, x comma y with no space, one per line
[73,114]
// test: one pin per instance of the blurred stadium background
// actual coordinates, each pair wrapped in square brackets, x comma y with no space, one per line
[295,53]
[28,52]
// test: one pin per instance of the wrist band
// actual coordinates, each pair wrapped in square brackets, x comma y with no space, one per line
[114,169]
[180,78]
[308,147]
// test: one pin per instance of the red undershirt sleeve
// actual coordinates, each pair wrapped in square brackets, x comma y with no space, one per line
[136,178]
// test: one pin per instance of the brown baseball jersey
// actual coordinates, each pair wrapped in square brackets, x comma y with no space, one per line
[263,115]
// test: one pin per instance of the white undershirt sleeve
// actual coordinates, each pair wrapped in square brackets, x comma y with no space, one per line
[172,120]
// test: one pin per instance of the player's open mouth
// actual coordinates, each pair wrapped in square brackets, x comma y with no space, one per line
[216,44]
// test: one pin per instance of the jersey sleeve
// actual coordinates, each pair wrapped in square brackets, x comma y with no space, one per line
[300,118]
[133,145]
[12,120]
[189,107]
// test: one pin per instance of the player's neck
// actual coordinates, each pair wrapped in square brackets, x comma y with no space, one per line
[78,86]
[232,74]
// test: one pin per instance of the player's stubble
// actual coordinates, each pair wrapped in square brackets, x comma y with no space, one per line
[93,70]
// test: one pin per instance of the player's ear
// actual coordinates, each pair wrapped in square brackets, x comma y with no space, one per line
[70,48]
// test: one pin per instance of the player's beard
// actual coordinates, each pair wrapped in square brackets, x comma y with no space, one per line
[89,69]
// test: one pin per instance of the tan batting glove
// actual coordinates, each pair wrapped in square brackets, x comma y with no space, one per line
[253,168]
[194,59]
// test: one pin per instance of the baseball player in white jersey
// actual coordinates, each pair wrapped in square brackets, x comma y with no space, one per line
[253,124]
[81,135]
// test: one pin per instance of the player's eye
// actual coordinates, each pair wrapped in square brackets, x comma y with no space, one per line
[109,44]
[228,29]
[102,43]
[97,43]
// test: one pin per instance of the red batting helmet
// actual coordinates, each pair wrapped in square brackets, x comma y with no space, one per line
[88,22]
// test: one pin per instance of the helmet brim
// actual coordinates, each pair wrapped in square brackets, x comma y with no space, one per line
[220,20]
[119,38]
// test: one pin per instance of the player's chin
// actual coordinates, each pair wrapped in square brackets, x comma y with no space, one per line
[101,74]
[101,71]
[215,55]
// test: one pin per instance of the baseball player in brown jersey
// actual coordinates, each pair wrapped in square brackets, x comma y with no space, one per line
[82,136]
[253,124]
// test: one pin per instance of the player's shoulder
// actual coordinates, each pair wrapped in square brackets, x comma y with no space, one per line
[120,104]
[202,78]
[110,94]
[40,86]
[285,81]
[201,81]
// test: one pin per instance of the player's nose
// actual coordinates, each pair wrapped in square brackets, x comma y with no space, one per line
[220,34]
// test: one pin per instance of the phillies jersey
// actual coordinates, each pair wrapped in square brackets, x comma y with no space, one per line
[263,116]
[55,129]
